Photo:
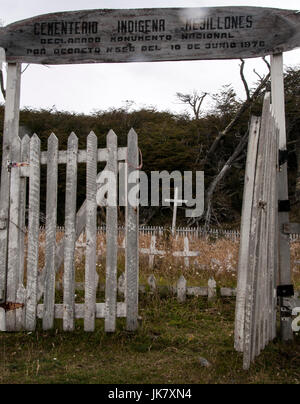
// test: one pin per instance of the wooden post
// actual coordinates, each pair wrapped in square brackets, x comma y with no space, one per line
[9,150]
[283,217]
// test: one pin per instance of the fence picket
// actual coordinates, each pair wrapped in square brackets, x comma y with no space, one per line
[33,234]
[91,234]
[50,250]
[70,234]
[111,236]
[25,155]
[13,239]
[132,259]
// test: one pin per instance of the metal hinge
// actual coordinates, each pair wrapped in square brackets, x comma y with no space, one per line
[9,306]
[12,164]
[283,157]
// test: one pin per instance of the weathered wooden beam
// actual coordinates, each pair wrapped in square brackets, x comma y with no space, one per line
[25,156]
[51,219]
[112,235]
[252,297]
[102,155]
[245,233]
[33,234]
[10,135]
[13,241]
[132,232]
[91,234]
[70,234]
[156,34]
[278,106]
[100,310]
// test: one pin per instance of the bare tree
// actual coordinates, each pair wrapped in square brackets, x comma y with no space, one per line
[194,100]
[250,99]
[238,153]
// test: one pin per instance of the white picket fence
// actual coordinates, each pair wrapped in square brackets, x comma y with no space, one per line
[23,293]
[191,232]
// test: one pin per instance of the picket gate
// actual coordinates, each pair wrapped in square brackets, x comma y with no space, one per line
[256,303]
[30,289]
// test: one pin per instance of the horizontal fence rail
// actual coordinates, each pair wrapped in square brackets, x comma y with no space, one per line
[196,232]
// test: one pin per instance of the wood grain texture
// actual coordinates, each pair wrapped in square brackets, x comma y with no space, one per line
[132,242]
[51,222]
[10,135]
[70,235]
[33,234]
[91,234]
[260,297]
[25,156]
[81,214]
[143,35]
[13,239]
[112,236]
[250,315]
[245,233]
[278,107]
[79,309]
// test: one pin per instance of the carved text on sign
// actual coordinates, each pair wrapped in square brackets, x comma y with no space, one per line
[143,35]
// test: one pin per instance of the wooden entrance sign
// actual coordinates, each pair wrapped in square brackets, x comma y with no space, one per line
[144,35]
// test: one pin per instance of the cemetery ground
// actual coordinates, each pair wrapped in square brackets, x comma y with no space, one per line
[171,339]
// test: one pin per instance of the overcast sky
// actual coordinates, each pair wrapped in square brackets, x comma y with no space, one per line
[85,88]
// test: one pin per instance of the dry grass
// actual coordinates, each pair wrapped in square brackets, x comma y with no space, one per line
[218,258]
[170,340]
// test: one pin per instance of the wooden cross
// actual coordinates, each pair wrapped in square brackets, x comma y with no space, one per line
[176,201]
[152,251]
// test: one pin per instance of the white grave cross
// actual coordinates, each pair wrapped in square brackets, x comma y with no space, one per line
[176,203]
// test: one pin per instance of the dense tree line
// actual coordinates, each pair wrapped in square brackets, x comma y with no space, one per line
[181,142]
